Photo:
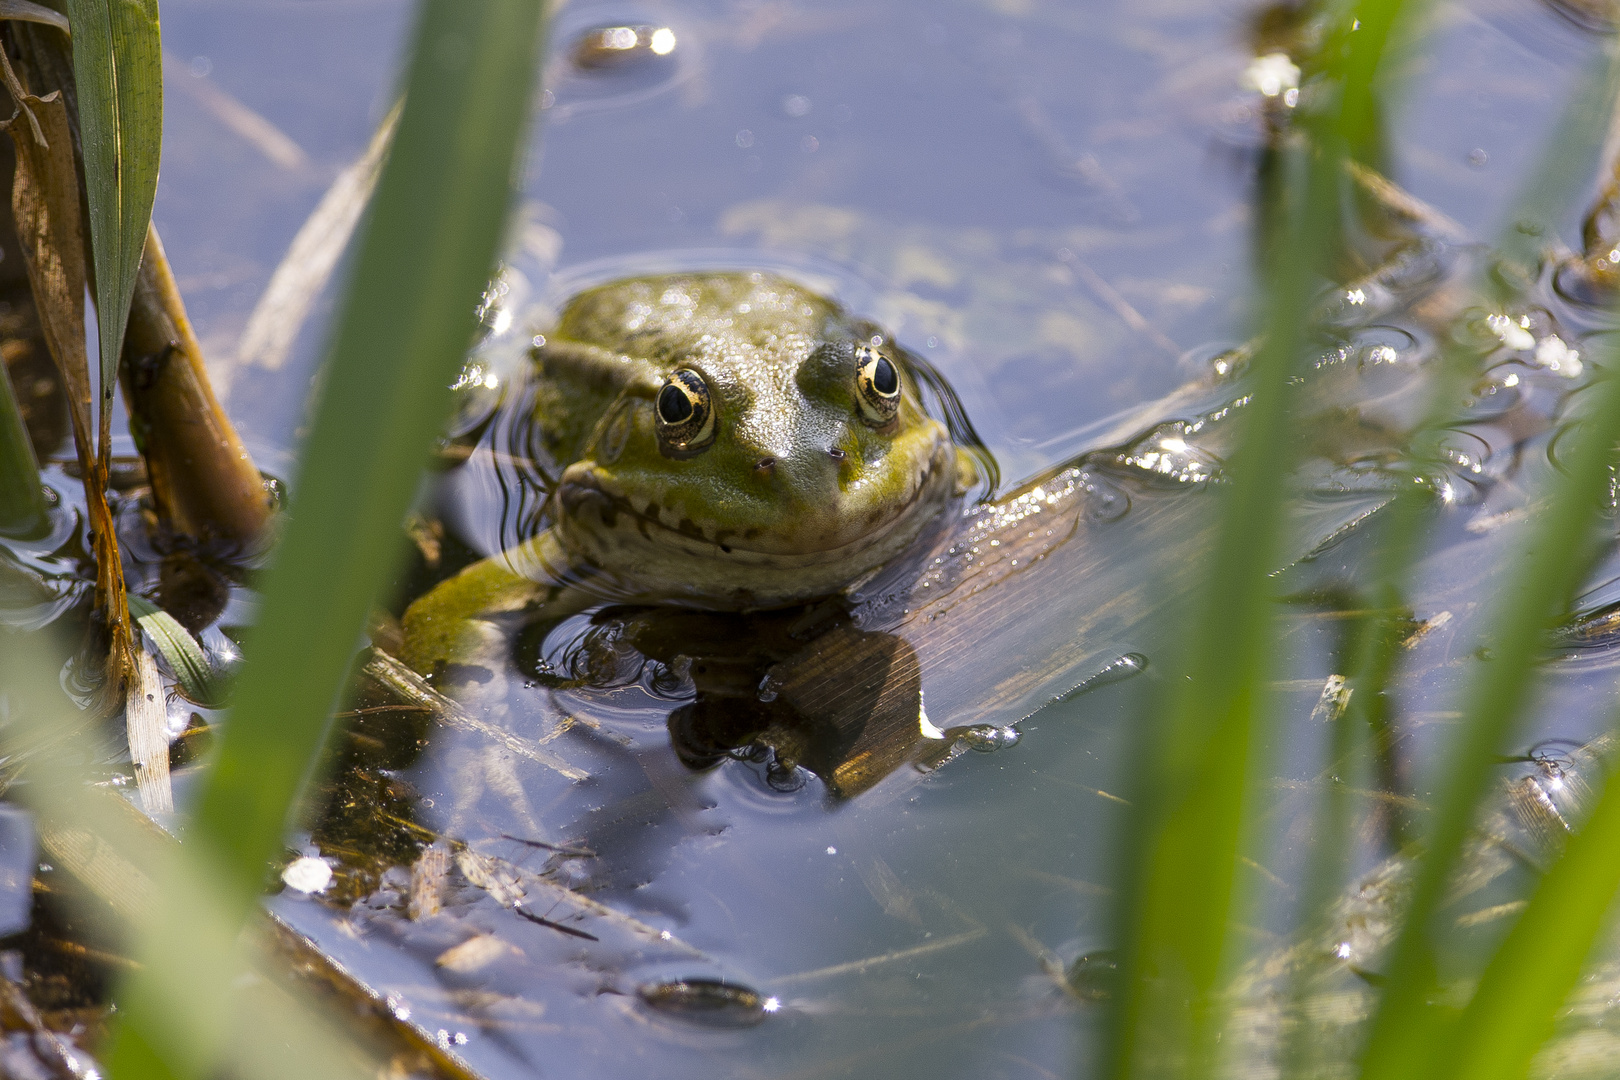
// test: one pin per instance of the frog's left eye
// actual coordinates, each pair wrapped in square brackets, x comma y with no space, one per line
[877,385]
[685,412]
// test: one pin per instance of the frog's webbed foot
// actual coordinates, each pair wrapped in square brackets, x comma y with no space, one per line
[456,632]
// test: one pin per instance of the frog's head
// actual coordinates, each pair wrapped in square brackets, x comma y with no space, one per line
[767,447]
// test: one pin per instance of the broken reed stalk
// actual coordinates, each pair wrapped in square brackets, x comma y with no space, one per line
[203,481]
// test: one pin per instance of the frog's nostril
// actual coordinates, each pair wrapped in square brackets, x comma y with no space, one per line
[835,453]
[766,464]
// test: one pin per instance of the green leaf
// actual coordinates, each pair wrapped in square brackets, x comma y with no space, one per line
[186,658]
[118,67]
[163,900]
[27,11]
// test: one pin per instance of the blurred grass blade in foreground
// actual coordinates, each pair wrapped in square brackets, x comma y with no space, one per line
[1187,837]
[1529,979]
[169,905]
[1407,1028]
[424,257]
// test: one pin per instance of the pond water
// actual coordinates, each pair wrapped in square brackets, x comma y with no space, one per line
[1050,202]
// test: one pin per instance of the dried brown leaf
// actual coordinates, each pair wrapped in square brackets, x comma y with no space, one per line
[147,721]
[45,202]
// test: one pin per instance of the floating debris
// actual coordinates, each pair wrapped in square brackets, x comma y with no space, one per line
[710,1002]
[1514,333]
[1554,355]
[475,953]
[307,875]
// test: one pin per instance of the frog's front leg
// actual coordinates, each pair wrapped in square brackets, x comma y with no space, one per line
[452,626]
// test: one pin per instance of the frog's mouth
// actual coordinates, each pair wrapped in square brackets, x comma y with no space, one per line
[592,509]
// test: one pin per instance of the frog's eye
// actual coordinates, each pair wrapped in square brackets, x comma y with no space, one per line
[877,385]
[685,415]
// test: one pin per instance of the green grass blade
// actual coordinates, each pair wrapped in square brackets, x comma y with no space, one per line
[424,257]
[1534,969]
[22,499]
[118,68]
[1532,599]
[1189,833]
[1550,569]
[407,318]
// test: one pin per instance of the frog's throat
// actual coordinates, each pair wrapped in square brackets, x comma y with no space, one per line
[684,563]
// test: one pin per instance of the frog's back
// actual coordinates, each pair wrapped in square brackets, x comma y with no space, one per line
[660,320]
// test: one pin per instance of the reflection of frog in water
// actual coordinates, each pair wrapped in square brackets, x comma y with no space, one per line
[732,442]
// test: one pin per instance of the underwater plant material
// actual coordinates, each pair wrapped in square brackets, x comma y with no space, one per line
[45,202]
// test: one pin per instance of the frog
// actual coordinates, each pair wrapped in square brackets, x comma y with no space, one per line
[728,441]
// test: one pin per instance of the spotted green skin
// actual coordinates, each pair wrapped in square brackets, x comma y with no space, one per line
[798,495]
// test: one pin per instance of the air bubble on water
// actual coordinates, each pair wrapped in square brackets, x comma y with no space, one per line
[769,687]
[1131,663]
[988,738]
[784,778]
[1104,502]
[709,1002]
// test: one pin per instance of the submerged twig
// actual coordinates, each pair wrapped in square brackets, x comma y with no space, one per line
[304,271]
[859,967]
[414,689]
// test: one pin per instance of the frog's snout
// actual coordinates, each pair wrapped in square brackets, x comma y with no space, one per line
[808,477]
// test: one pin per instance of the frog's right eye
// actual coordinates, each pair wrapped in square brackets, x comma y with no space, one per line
[685,413]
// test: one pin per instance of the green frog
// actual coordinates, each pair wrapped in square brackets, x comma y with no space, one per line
[731,442]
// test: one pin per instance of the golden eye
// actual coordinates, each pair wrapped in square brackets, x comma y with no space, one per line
[685,414]
[877,385]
